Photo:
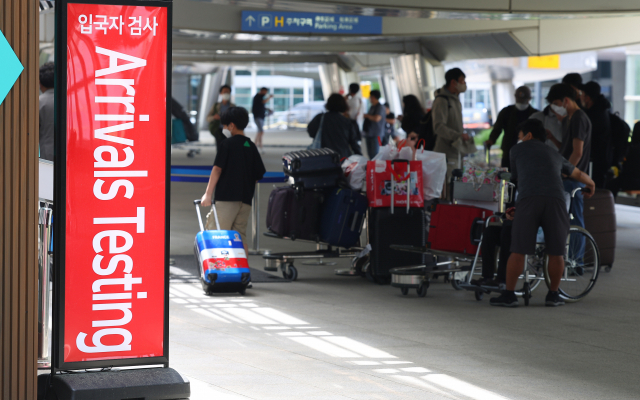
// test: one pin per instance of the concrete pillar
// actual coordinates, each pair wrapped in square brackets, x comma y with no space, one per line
[19,212]
[329,79]
[210,91]
[502,89]
[410,75]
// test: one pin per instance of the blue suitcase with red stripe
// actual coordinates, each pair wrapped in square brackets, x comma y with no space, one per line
[221,259]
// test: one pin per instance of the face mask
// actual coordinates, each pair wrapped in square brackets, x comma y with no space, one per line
[225,97]
[561,111]
[462,87]
[226,132]
[522,106]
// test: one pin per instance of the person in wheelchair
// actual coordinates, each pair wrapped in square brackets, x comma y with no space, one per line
[540,203]
[498,235]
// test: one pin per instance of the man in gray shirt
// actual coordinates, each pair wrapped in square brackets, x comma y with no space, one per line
[373,127]
[46,111]
[540,202]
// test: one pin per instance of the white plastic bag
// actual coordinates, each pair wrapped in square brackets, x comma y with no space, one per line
[354,169]
[406,153]
[387,152]
[434,171]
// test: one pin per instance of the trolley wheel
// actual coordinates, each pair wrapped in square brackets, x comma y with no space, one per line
[456,283]
[290,272]
[242,291]
[422,289]
[526,293]
[479,295]
[404,291]
[608,268]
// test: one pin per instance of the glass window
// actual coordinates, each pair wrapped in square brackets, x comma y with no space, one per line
[280,104]
[317,93]
[297,91]
[263,72]
[481,98]
[604,69]
[297,100]
[240,91]
[281,91]
[468,99]
[242,72]
[243,98]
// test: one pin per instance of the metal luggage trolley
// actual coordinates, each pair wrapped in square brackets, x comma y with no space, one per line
[284,261]
[418,277]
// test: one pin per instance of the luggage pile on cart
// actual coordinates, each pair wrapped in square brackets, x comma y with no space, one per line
[317,206]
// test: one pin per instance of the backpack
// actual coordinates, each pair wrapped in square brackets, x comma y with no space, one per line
[620,132]
[425,129]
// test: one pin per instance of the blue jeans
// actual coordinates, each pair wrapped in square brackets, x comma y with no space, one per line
[576,246]
[372,146]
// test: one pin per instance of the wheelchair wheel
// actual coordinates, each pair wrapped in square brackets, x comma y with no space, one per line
[581,265]
[535,269]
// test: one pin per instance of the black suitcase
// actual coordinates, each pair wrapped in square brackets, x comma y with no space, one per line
[600,221]
[279,210]
[312,169]
[294,214]
[400,227]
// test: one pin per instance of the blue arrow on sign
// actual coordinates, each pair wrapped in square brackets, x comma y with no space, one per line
[10,67]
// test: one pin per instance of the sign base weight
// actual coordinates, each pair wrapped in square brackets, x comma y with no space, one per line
[147,384]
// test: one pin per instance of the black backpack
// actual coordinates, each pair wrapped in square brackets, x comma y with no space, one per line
[620,132]
[425,129]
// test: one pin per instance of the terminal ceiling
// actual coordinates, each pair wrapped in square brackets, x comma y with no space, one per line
[209,31]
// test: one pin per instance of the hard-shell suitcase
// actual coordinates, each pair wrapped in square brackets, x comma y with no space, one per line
[312,169]
[220,259]
[399,226]
[457,228]
[600,221]
[294,214]
[342,217]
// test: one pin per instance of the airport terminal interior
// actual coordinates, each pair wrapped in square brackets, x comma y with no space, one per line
[325,328]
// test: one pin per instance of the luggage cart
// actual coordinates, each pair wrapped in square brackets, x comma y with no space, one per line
[449,263]
[285,261]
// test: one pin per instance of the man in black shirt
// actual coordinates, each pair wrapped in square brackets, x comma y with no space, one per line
[541,202]
[576,146]
[237,168]
[259,112]
[508,120]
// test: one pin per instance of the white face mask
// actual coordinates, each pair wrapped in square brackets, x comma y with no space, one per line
[225,97]
[226,132]
[561,111]
[522,106]
[462,87]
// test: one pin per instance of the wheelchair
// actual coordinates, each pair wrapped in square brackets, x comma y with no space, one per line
[581,267]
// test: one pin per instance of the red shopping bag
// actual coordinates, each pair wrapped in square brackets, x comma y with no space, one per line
[404,176]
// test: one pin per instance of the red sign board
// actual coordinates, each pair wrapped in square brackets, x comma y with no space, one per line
[113,302]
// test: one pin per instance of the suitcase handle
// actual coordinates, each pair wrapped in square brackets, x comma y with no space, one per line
[215,214]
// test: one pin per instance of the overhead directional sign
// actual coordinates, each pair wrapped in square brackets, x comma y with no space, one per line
[10,67]
[302,22]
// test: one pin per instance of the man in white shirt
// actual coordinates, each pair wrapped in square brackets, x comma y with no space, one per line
[354,101]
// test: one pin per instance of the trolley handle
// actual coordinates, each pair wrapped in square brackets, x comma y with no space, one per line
[215,214]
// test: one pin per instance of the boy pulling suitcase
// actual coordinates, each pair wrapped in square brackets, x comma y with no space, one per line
[237,168]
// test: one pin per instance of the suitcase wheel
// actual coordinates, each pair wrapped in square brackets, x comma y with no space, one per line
[607,268]
[404,291]
[422,289]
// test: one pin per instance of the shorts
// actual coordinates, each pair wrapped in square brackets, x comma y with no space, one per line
[535,211]
[259,123]
[232,216]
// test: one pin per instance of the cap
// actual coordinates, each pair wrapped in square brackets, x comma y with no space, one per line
[592,89]
[574,79]
[523,93]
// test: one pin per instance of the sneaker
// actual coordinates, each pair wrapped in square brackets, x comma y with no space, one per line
[553,299]
[506,299]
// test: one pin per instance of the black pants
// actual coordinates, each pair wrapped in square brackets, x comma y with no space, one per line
[493,237]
